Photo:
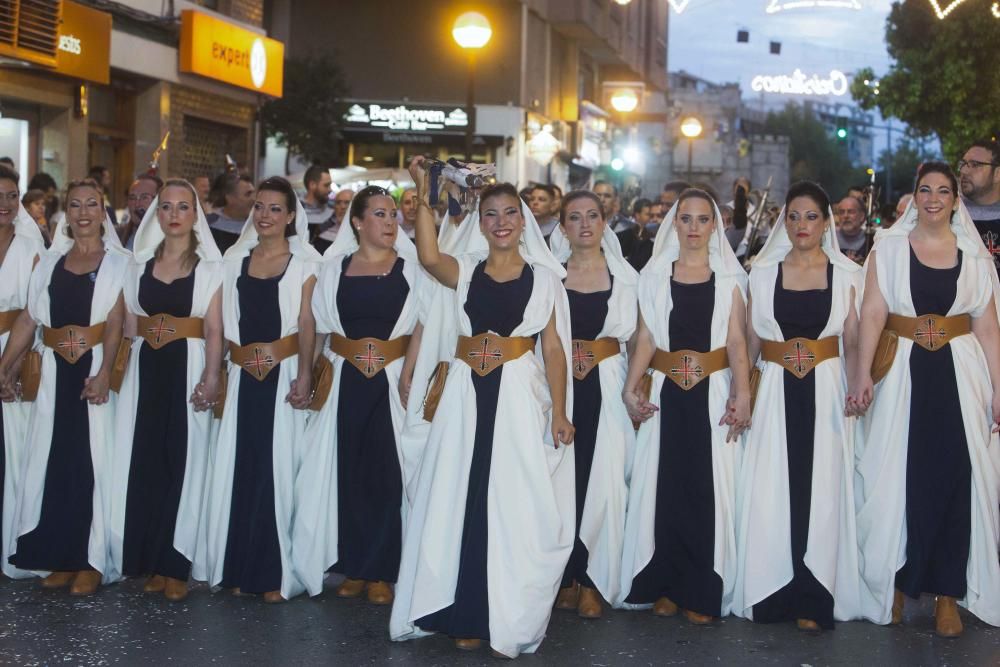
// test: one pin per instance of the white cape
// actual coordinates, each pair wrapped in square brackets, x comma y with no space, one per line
[655,305]
[880,485]
[15,273]
[764,531]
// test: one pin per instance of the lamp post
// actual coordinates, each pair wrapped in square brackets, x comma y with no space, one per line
[690,128]
[471,32]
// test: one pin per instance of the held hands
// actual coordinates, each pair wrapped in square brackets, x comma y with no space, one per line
[860,394]
[638,408]
[562,430]
[301,394]
[206,393]
[737,416]
[96,388]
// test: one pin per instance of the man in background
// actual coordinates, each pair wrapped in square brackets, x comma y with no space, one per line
[232,196]
[408,204]
[141,194]
[203,186]
[979,179]
[317,200]
[851,234]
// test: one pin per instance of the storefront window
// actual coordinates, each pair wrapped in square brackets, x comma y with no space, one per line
[15,144]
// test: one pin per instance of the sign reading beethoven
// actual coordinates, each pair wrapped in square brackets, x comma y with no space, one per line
[226,52]
[404,118]
[800,84]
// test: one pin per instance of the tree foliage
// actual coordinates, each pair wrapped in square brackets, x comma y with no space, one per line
[901,165]
[303,120]
[814,155]
[944,79]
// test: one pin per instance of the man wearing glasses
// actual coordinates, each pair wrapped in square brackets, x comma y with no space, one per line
[979,177]
[140,195]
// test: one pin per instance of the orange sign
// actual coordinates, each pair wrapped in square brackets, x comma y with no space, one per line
[226,52]
[84,47]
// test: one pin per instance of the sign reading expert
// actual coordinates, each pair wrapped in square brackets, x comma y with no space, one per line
[226,52]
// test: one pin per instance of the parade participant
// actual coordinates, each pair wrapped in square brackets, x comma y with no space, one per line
[979,177]
[491,524]
[21,245]
[680,541]
[601,287]
[796,540]
[341,202]
[164,422]
[366,301]
[408,203]
[140,195]
[851,233]
[33,203]
[75,296]
[631,237]
[929,472]
[233,199]
[268,280]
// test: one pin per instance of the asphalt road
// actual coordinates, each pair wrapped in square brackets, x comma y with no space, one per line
[123,625]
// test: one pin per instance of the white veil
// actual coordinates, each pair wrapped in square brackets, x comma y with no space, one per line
[25,225]
[62,242]
[612,248]
[297,244]
[345,243]
[778,244]
[149,235]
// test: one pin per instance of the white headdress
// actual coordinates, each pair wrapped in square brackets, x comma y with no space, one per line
[667,248]
[62,242]
[149,235]
[778,244]
[297,244]
[25,225]
[346,243]
[968,238]
[612,248]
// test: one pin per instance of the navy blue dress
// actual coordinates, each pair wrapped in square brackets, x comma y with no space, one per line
[496,307]
[800,314]
[682,568]
[588,311]
[253,554]
[159,445]
[938,470]
[369,479]
[60,540]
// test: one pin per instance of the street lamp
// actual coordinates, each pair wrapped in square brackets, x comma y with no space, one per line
[690,128]
[471,32]
[624,100]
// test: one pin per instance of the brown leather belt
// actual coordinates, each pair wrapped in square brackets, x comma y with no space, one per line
[369,355]
[687,368]
[7,319]
[588,353]
[799,356]
[259,359]
[931,332]
[486,352]
[159,330]
[72,341]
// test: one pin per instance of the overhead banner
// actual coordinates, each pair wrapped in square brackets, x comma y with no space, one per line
[224,51]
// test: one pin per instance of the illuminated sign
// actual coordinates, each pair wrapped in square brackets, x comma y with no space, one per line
[781,5]
[404,118]
[226,52]
[84,47]
[800,84]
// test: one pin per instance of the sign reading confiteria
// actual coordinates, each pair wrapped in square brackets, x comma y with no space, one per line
[800,84]
[403,118]
[226,52]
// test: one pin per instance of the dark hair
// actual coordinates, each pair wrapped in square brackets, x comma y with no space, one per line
[191,254]
[547,189]
[152,178]
[6,159]
[359,205]
[8,174]
[558,190]
[640,204]
[225,184]
[31,196]
[614,188]
[97,171]
[42,181]
[676,186]
[313,174]
[992,146]
[497,190]
[936,167]
[708,189]
[283,187]
[574,196]
[695,193]
[814,192]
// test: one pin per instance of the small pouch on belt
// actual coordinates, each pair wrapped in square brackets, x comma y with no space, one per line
[220,403]
[259,359]
[7,319]
[31,376]
[71,342]
[158,330]
[588,353]
[885,354]
[799,356]
[435,387]
[687,368]
[486,352]
[322,382]
[931,332]
[120,366]
[369,355]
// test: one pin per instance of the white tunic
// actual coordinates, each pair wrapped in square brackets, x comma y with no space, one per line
[764,531]
[881,454]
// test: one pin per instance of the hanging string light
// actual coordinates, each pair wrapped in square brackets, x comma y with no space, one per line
[942,13]
[782,5]
[679,5]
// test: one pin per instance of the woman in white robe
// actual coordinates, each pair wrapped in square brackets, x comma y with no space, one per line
[164,423]
[366,301]
[492,522]
[22,244]
[75,296]
[603,306]
[796,541]
[680,531]
[268,281]
[928,463]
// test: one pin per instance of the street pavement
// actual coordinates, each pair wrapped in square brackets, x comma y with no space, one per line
[121,625]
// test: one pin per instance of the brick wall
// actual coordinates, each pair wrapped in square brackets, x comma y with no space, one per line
[248,11]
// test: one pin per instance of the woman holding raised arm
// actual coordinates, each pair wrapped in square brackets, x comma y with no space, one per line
[928,475]
[492,523]
[601,287]
[173,305]
[268,279]
[680,536]
[75,296]
[796,540]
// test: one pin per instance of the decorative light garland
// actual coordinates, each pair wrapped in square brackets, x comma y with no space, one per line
[782,5]
[679,5]
[943,13]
